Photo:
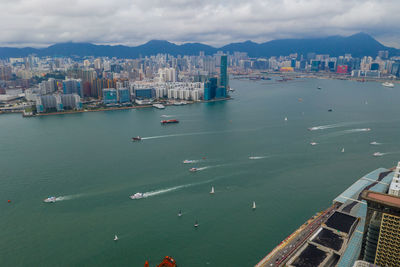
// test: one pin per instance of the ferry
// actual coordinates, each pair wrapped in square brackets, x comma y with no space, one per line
[159,106]
[169,121]
[137,196]
[137,138]
[193,169]
[388,84]
[50,200]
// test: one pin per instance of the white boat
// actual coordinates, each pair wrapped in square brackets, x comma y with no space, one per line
[285,118]
[188,161]
[212,190]
[254,205]
[374,143]
[196,224]
[388,84]
[180,214]
[115,237]
[342,150]
[378,154]
[137,196]
[50,200]
[193,169]
[159,106]
[313,143]
[367,129]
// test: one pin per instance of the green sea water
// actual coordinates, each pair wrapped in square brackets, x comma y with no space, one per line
[89,161]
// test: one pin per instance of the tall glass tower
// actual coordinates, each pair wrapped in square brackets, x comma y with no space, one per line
[224,72]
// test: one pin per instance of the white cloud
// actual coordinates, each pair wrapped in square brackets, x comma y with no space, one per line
[215,22]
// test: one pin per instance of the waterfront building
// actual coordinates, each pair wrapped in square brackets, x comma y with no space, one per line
[210,88]
[71,101]
[394,188]
[381,242]
[144,93]
[109,96]
[46,103]
[73,86]
[124,95]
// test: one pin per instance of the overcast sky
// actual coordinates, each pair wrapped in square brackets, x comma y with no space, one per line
[215,22]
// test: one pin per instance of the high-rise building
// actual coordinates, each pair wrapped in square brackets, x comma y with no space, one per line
[110,96]
[124,95]
[73,86]
[224,72]
[394,188]
[381,242]
[210,88]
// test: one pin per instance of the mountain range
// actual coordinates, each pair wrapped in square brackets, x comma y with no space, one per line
[358,45]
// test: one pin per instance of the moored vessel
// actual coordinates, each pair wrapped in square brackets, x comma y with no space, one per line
[388,84]
[169,121]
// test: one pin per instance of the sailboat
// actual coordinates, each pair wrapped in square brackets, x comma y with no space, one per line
[342,150]
[115,237]
[254,205]
[212,190]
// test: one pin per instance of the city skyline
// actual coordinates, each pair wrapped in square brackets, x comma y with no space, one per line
[40,23]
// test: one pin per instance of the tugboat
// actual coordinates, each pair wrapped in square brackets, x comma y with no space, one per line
[137,138]
[169,121]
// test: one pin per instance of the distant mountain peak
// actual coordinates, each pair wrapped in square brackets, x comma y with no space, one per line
[359,44]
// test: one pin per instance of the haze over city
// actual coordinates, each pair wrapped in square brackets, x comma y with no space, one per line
[39,23]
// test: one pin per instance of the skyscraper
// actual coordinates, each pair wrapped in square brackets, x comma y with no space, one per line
[381,242]
[224,72]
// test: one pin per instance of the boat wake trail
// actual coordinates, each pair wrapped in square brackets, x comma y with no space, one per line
[68,197]
[357,130]
[167,116]
[170,189]
[330,126]
[260,157]
[204,168]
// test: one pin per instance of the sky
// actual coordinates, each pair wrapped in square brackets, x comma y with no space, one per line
[39,23]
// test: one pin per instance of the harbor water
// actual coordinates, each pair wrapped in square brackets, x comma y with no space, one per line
[243,147]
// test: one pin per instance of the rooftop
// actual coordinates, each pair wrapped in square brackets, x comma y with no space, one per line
[341,222]
[385,199]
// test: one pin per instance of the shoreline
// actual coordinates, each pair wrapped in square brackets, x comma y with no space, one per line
[123,108]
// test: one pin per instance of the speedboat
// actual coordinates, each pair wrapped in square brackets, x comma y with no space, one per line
[388,84]
[196,224]
[378,154]
[50,200]
[188,161]
[374,143]
[137,196]
[180,214]
[313,143]
[367,129]
[137,138]
[285,118]
[193,169]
